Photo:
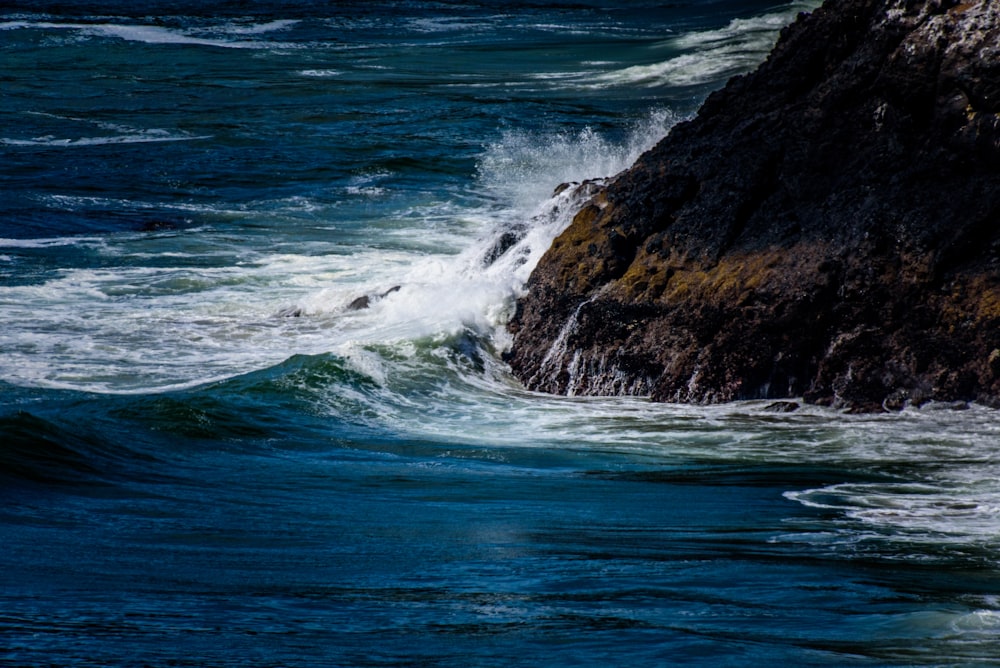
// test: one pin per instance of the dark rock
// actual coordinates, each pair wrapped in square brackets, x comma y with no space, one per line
[357,304]
[782,407]
[827,226]
[507,240]
[563,187]
[360,303]
[365,301]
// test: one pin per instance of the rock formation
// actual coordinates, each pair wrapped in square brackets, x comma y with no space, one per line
[826,227]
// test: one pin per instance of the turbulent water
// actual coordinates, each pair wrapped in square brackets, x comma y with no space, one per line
[255,266]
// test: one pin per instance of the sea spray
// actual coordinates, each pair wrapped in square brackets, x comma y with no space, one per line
[446,294]
[523,167]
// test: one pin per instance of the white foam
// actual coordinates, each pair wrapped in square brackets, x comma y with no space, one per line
[125,134]
[145,137]
[684,70]
[49,242]
[141,328]
[261,28]
[943,487]
[951,507]
[368,184]
[366,191]
[150,34]
[437,25]
[758,30]
[327,73]
[705,56]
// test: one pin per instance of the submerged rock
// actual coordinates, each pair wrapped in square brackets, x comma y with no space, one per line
[782,407]
[290,312]
[357,304]
[827,226]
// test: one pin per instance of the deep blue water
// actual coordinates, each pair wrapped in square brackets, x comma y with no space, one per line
[208,458]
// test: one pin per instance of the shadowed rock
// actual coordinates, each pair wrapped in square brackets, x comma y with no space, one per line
[507,240]
[827,226]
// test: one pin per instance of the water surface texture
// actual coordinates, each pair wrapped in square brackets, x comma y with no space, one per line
[253,409]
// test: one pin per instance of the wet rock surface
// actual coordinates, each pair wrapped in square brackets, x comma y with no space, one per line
[826,227]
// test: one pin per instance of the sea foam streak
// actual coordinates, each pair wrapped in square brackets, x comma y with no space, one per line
[705,56]
[149,34]
[151,136]
[124,134]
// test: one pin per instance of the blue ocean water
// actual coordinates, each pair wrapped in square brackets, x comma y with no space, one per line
[212,455]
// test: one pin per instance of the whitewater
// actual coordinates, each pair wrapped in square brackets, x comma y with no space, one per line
[256,267]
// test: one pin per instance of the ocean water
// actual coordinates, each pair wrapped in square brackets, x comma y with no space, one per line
[253,409]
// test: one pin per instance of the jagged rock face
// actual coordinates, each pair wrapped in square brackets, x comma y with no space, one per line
[827,226]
